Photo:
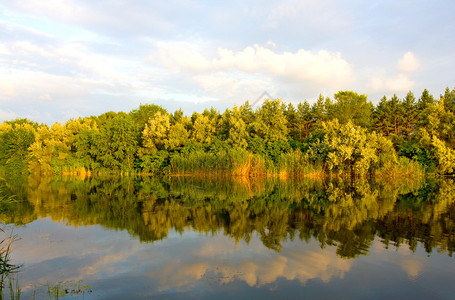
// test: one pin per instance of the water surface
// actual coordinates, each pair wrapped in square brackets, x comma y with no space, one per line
[171,238]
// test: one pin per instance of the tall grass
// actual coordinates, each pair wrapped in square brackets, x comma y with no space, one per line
[403,167]
[6,267]
[292,163]
[6,241]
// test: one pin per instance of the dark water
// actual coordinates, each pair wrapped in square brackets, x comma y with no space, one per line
[135,238]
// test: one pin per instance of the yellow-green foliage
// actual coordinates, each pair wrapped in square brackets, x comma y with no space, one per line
[444,155]
[203,129]
[347,136]
[155,133]
[350,148]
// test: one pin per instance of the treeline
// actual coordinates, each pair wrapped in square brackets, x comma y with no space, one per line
[347,214]
[344,135]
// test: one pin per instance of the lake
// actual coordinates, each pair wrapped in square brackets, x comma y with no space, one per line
[224,238]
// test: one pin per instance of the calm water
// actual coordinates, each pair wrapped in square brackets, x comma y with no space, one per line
[127,238]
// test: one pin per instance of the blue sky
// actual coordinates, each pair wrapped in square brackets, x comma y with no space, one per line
[61,59]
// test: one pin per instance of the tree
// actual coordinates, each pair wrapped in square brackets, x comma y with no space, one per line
[271,123]
[293,122]
[178,135]
[409,114]
[203,129]
[380,115]
[84,148]
[424,108]
[351,106]
[42,150]
[143,114]
[14,144]
[445,157]
[115,145]
[247,113]
[320,109]
[234,128]
[349,148]
[155,133]
[449,99]
[388,116]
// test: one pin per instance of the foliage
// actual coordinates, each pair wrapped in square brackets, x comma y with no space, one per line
[14,144]
[353,107]
[349,148]
[346,135]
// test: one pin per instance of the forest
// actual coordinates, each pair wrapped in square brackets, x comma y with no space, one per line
[343,136]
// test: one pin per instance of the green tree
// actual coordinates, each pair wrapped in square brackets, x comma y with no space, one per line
[143,114]
[424,108]
[320,109]
[85,148]
[271,124]
[116,144]
[306,119]
[234,128]
[445,157]
[388,116]
[409,113]
[449,99]
[51,150]
[293,122]
[351,106]
[178,135]
[349,148]
[14,144]
[155,135]
[203,129]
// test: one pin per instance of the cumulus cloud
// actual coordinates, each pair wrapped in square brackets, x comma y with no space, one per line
[408,63]
[320,67]
[399,83]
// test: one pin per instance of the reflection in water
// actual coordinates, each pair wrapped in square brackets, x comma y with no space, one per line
[295,263]
[413,267]
[196,234]
[348,215]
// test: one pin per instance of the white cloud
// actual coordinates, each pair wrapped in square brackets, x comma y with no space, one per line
[62,71]
[408,63]
[322,67]
[384,82]
[400,83]
[45,97]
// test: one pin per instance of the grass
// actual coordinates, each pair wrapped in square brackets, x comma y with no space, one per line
[6,267]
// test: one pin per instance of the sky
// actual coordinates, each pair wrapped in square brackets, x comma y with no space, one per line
[63,59]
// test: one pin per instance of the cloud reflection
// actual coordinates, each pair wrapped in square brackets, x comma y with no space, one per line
[181,262]
[253,264]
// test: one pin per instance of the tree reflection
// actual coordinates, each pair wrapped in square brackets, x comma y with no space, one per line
[347,214]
